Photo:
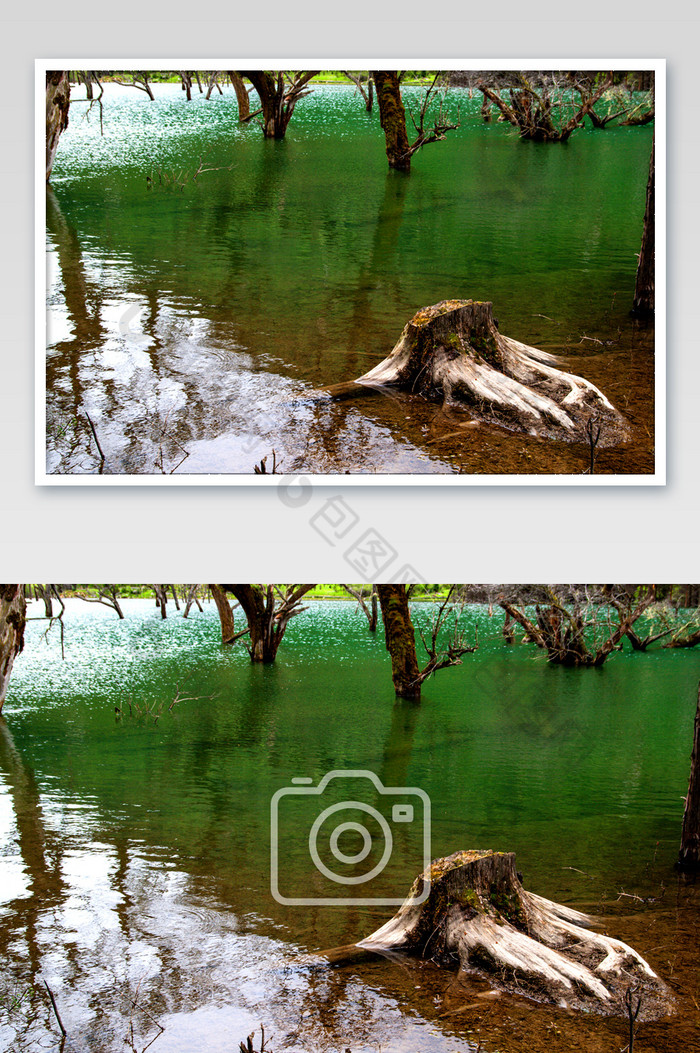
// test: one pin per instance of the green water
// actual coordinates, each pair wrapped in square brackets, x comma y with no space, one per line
[135,854]
[193,317]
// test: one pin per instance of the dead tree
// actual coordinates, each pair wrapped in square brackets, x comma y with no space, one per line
[13,618]
[359,81]
[643,306]
[279,91]
[537,110]
[242,96]
[407,675]
[57,106]
[689,855]
[44,593]
[213,83]
[107,595]
[470,910]
[161,594]
[228,632]
[186,81]
[140,81]
[268,609]
[370,612]
[392,114]
[687,635]
[584,632]
[454,351]
[190,598]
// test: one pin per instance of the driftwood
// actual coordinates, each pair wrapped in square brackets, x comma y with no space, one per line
[478,916]
[453,350]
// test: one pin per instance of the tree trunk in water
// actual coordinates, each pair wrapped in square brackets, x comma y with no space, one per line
[225,613]
[400,640]
[471,907]
[57,105]
[271,91]
[256,606]
[13,617]
[689,856]
[644,286]
[161,599]
[393,119]
[453,350]
[242,97]
[373,609]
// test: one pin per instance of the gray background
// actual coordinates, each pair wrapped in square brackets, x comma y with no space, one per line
[473,534]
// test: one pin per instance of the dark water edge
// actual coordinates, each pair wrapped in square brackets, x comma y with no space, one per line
[191,323]
[135,853]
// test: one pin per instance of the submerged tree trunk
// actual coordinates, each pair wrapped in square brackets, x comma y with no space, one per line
[277,97]
[267,623]
[470,908]
[161,599]
[242,97]
[57,106]
[453,350]
[228,633]
[400,640]
[393,119]
[689,855]
[13,617]
[643,306]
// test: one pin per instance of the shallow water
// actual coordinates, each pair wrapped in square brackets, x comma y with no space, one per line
[191,319]
[135,852]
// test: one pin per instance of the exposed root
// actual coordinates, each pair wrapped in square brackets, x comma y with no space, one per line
[479,915]
[453,350]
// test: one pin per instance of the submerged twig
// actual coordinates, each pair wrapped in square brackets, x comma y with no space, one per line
[55,1009]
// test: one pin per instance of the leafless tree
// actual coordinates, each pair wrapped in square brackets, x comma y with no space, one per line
[586,630]
[542,105]
[371,612]
[107,595]
[138,80]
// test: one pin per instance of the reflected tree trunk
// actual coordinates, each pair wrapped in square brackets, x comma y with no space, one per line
[41,857]
[13,617]
[57,106]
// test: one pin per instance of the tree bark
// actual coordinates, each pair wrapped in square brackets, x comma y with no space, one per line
[267,625]
[57,106]
[13,617]
[689,855]
[453,350]
[400,640]
[228,632]
[161,599]
[477,912]
[393,119]
[277,98]
[643,306]
[242,97]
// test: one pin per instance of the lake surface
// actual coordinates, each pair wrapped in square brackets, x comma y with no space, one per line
[135,853]
[191,319]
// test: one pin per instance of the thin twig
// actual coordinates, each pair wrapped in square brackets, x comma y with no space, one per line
[55,1009]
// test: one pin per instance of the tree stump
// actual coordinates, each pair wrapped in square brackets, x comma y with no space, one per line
[453,350]
[478,916]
